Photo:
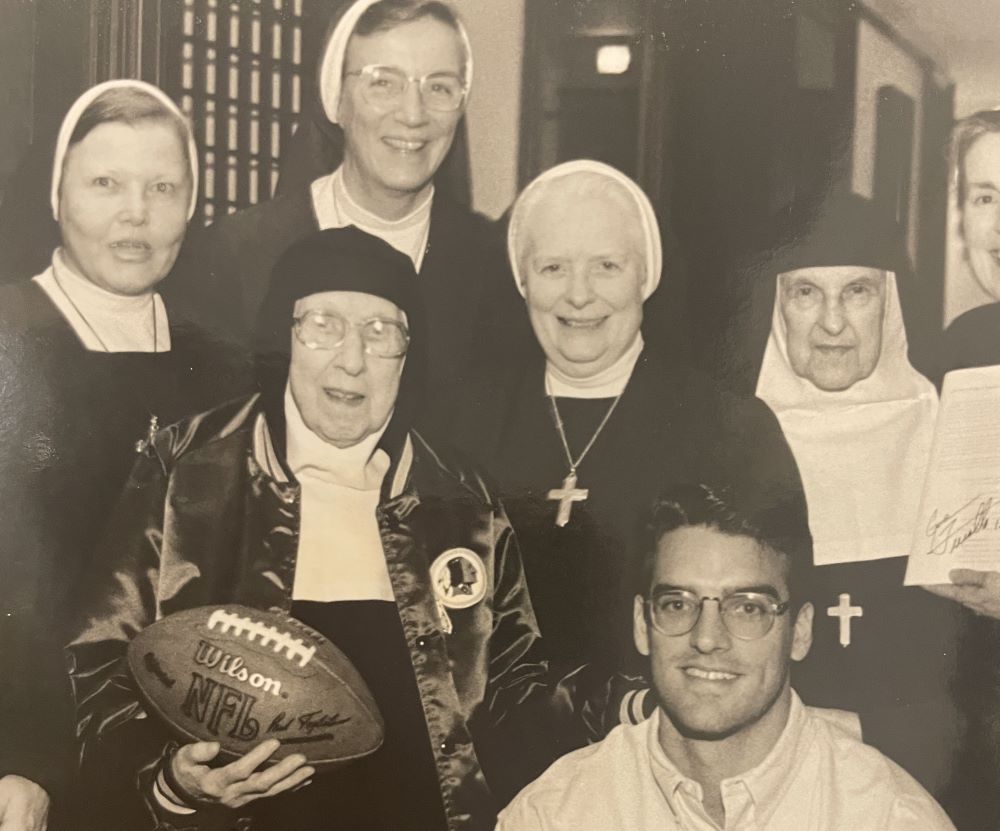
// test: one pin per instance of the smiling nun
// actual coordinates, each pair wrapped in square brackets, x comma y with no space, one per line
[393,78]
[583,438]
[321,501]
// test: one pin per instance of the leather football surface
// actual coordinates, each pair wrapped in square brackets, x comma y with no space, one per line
[239,676]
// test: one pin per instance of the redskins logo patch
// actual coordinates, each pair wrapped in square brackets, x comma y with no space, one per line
[459,578]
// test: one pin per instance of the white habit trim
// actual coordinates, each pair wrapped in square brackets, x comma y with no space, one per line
[336,208]
[608,383]
[123,323]
[340,554]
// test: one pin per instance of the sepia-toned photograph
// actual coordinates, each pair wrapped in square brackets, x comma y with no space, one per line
[499,415]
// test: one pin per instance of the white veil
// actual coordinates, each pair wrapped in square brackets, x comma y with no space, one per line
[862,452]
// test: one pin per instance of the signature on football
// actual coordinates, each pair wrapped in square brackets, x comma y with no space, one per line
[308,723]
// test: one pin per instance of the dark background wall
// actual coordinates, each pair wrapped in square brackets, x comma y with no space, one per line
[729,113]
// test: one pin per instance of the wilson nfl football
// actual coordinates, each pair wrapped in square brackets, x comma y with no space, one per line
[237,676]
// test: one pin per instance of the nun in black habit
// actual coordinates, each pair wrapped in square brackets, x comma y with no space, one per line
[834,364]
[317,498]
[582,438]
[91,359]
[385,135]
[91,355]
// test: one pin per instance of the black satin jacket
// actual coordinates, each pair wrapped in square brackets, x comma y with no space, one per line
[210,516]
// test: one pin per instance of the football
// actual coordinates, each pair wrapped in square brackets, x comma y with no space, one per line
[238,676]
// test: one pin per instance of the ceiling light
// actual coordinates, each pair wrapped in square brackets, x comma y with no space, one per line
[613,59]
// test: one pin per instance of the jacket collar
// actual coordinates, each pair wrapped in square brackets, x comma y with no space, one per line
[266,455]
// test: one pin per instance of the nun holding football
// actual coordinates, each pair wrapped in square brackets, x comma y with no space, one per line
[316,498]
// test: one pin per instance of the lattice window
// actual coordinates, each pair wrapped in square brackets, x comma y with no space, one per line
[241,84]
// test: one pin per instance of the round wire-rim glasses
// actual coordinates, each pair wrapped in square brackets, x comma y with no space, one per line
[328,330]
[384,86]
[746,615]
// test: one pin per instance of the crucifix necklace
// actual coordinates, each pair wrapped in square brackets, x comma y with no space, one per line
[569,492]
[142,445]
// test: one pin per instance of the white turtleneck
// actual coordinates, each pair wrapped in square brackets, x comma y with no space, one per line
[336,208]
[340,554]
[123,323]
[608,383]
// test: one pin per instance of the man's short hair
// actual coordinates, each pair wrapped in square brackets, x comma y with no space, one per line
[780,527]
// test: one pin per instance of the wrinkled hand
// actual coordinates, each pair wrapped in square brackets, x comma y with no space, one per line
[24,806]
[979,590]
[239,782]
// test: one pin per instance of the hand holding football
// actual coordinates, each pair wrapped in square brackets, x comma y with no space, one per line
[237,783]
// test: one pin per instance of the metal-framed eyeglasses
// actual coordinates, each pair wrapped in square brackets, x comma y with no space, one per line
[327,330]
[746,615]
[384,86]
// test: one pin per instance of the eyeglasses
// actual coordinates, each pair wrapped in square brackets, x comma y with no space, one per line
[328,330]
[746,615]
[383,87]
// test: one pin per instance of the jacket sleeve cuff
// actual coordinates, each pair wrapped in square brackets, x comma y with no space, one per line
[636,706]
[166,798]
[167,814]
[168,809]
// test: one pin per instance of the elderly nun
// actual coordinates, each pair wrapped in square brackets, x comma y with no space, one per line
[393,77]
[859,418]
[583,438]
[91,360]
[324,503]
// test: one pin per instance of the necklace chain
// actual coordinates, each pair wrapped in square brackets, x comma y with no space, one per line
[87,323]
[143,445]
[573,465]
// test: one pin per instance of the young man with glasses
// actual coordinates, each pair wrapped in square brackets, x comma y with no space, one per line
[730,745]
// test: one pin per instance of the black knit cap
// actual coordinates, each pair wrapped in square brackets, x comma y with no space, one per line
[337,259]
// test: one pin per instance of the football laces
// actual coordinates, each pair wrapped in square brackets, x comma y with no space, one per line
[267,636]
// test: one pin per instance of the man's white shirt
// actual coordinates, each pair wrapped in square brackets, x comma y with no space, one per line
[819,776]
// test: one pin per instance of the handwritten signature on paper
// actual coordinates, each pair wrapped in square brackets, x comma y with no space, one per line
[947,532]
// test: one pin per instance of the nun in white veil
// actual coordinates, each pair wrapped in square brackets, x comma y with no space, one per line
[583,435]
[393,80]
[862,451]
[859,418]
[91,361]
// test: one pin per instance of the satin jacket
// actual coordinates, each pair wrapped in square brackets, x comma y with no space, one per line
[210,516]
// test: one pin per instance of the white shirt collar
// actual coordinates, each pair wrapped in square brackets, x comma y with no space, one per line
[762,785]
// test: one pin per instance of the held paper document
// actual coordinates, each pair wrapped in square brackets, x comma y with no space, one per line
[959,521]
